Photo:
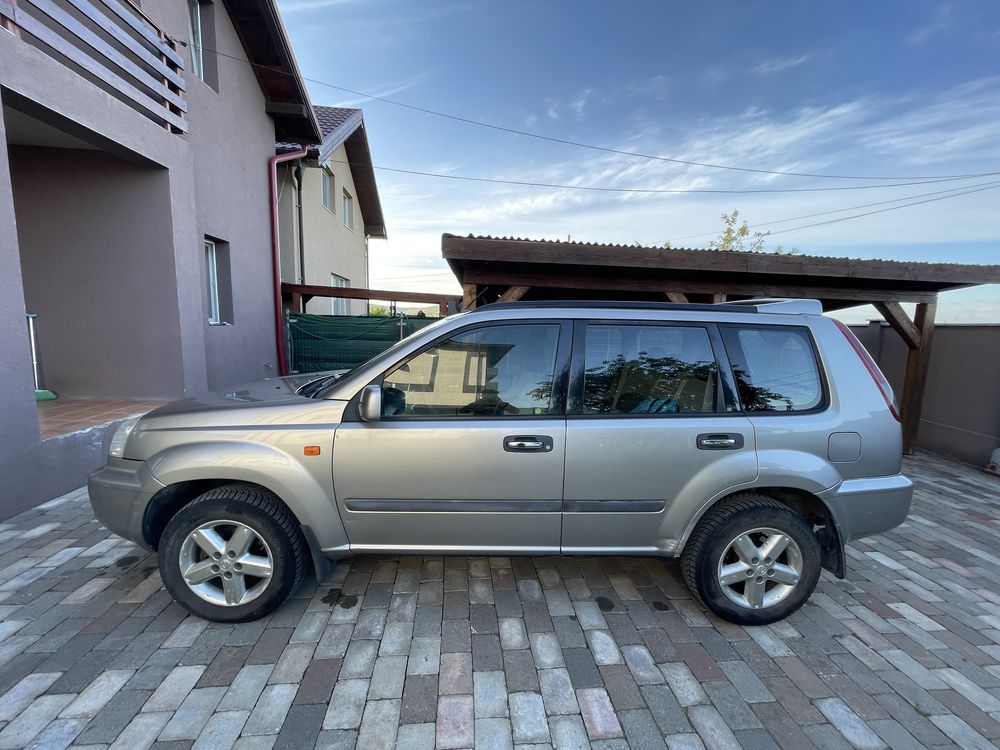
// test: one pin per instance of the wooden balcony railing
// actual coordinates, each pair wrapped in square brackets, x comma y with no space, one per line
[113,44]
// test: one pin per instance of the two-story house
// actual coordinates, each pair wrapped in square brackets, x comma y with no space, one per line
[135,187]
[329,209]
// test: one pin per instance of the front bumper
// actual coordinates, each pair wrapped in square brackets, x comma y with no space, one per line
[863,507]
[119,494]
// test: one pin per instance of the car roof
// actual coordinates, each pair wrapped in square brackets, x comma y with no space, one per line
[764,305]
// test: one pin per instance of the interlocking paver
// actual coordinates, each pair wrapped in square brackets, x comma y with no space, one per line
[531,652]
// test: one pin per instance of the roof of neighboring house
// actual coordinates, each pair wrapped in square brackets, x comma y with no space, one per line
[265,41]
[342,125]
[564,269]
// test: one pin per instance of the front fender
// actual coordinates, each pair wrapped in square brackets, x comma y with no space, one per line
[306,489]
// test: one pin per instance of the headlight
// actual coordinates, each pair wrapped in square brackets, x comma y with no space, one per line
[117,448]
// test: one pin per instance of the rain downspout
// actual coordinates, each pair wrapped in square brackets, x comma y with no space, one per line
[299,179]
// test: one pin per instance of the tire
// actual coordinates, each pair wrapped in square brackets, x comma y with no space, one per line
[761,592]
[247,527]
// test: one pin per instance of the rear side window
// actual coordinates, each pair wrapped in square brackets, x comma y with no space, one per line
[654,370]
[775,368]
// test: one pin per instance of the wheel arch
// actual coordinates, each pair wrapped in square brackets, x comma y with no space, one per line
[807,504]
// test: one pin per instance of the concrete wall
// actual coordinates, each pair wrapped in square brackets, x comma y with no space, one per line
[330,247]
[961,414]
[169,192]
[95,247]
[33,470]
[231,139]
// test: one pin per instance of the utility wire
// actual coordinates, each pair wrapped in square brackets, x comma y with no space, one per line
[840,210]
[580,144]
[653,191]
[883,210]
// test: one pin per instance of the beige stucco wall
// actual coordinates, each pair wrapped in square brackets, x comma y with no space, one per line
[330,247]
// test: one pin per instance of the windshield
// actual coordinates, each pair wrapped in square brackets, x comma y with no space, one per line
[386,357]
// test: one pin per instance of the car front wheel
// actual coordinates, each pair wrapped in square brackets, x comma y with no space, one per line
[752,560]
[233,554]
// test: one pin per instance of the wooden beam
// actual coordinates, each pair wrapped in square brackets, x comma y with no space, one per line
[917,364]
[469,296]
[896,317]
[312,290]
[478,250]
[645,283]
[677,297]
[513,293]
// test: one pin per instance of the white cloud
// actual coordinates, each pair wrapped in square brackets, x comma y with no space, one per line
[941,21]
[382,90]
[779,65]
[944,132]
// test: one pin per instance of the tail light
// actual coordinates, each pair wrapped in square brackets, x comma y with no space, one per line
[873,369]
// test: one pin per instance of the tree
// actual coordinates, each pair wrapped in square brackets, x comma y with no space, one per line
[736,237]
[379,311]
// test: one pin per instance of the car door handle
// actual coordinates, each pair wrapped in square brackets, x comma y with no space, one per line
[527,443]
[720,441]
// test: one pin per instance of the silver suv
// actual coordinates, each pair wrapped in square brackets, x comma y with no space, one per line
[750,440]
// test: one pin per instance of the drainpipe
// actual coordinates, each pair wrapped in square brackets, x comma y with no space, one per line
[299,178]
[279,323]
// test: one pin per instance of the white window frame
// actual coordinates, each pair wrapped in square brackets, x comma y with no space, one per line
[329,189]
[212,267]
[348,200]
[197,39]
[339,305]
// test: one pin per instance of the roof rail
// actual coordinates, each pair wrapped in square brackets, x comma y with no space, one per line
[788,306]
[769,305]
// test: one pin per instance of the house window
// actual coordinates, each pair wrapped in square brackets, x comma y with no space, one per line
[197,42]
[348,210]
[212,266]
[328,189]
[341,306]
[218,282]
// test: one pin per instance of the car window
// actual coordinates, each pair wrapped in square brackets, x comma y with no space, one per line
[655,370]
[775,368]
[504,370]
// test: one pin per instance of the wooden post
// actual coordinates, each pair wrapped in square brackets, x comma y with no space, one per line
[917,363]
[469,296]
[718,297]
[513,293]
[443,309]
[677,297]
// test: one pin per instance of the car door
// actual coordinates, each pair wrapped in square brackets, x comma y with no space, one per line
[468,454]
[650,425]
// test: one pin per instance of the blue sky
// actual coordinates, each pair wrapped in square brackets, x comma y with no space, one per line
[897,89]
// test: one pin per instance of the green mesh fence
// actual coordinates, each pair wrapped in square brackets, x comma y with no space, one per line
[333,342]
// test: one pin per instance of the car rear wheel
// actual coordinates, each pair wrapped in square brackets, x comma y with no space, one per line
[752,560]
[233,554]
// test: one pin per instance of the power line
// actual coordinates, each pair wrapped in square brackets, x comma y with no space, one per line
[840,210]
[580,144]
[884,210]
[648,191]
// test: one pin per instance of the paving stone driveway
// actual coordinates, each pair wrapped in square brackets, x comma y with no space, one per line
[460,652]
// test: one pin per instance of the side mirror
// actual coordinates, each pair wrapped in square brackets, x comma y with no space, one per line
[370,408]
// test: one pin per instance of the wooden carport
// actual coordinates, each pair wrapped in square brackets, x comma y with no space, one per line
[492,269]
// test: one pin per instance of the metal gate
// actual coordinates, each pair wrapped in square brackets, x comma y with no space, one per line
[334,342]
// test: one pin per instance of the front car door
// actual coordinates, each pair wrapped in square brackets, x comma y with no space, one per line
[650,430]
[468,455]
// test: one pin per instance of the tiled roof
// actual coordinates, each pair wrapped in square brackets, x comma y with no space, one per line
[331,118]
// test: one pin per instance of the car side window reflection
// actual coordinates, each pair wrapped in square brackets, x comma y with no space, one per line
[651,370]
[495,371]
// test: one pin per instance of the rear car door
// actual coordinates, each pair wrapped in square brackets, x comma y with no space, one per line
[468,455]
[650,418]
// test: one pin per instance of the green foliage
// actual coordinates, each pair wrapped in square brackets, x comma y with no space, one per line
[736,237]
[380,311]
